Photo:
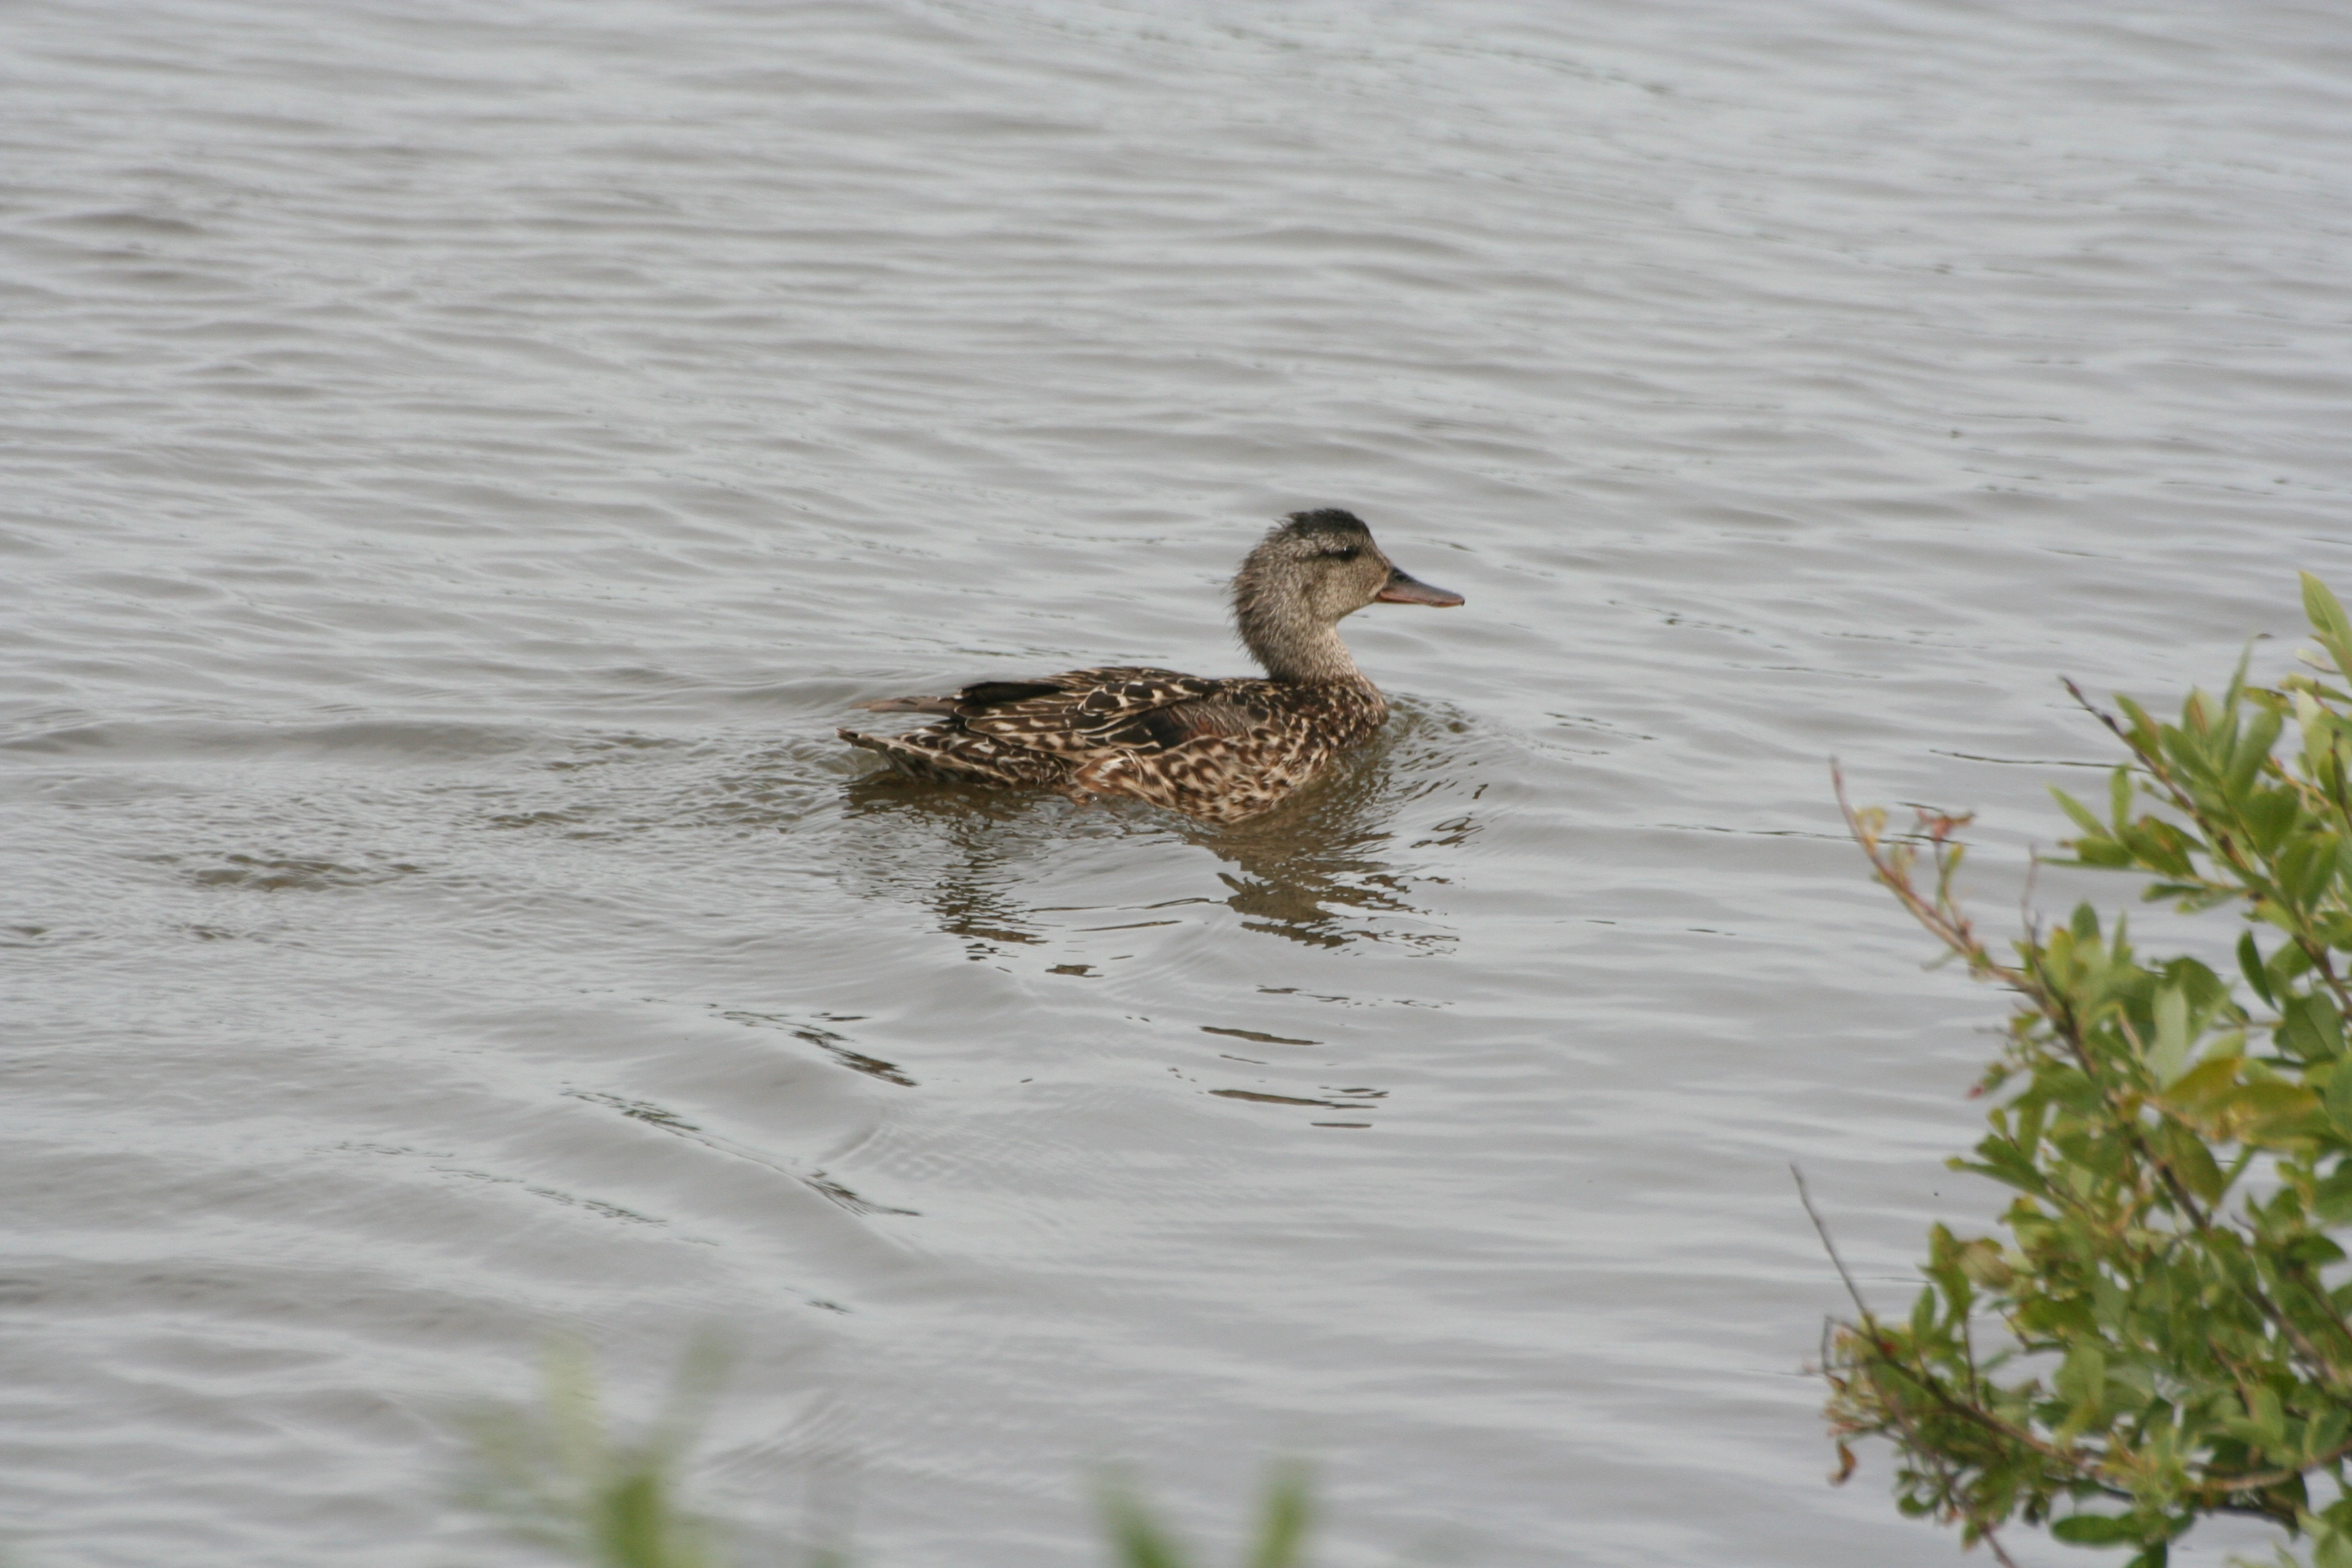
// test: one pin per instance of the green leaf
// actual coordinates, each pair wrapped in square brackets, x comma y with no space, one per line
[2269,1110]
[2249,963]
[2252,749]
[2237,689]
[2262,1409]
[2310,1028]
[2328,621]
[2170,1052]
[2083,1373]
[2005,1162]
[2270,815]
[2304,866]
[2325,1432]
[1980,1260]
[2192,1161]
[2338,1098]
[2104,854]
[2079,812]
[2285,967]
[2201,1088]
[2097,1529]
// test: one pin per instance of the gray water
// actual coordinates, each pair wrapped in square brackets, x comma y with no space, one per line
[462,461]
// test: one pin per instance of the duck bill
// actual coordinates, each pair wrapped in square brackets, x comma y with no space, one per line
[1404,590]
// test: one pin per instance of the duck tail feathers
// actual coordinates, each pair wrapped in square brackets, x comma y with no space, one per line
[912,705]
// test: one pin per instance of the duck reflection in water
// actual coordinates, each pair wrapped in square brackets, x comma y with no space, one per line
[1313,871]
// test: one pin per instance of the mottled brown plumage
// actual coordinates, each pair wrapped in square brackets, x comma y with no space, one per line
[1218,750]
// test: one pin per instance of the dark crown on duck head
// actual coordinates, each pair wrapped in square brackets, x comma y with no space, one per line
[1329,520]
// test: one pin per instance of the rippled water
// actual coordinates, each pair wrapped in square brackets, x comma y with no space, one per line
[462,461]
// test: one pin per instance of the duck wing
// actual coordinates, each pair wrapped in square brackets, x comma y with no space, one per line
[1193,738]
[1117,707]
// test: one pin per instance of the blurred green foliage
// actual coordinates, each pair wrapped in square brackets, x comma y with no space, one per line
[1137,1539]
[2160,1334]
[556,1474]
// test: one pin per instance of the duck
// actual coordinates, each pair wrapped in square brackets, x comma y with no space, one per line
[1219,750]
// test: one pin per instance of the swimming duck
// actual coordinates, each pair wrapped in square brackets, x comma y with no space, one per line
[1221,749]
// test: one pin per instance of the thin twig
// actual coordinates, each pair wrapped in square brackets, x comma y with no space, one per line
[2027,916]
[1805,1196]
[1942,918]
[1992,1544]
[2265,1480]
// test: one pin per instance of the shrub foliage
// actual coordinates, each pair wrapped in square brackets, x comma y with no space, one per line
[2161,1332]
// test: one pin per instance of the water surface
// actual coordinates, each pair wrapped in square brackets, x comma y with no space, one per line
[461,464]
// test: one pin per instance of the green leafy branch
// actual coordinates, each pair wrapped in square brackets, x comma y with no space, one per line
[2165,1344]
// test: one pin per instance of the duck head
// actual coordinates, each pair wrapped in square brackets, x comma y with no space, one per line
[1315,569]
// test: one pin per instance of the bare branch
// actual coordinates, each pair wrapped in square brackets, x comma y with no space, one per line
[1805,1196]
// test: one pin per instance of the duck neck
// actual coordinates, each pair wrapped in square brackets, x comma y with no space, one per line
[1295,646]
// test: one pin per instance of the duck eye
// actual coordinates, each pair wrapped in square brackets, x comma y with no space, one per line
[1350,554]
